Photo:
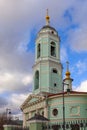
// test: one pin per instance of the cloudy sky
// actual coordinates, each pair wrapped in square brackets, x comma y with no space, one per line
[20,20]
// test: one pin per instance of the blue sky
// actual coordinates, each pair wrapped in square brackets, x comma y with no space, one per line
[20,21]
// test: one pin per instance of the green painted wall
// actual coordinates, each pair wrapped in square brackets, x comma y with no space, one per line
[75,107]
[11,127]
[36,126]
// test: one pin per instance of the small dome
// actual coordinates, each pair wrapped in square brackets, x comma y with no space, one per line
[67,73]
[47,17]
[48,29]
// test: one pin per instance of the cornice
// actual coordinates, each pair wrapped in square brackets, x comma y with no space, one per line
[46,60]
[66,94]
[27,104]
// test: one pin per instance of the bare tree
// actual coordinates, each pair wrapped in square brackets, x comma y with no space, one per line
[4,119]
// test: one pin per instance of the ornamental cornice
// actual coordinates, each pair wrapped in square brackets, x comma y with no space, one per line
[59,95]
[68,102]
[47,35]
[27,102]
[34,107]
[46,60]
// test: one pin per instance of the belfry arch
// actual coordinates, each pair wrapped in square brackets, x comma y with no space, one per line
[36,80]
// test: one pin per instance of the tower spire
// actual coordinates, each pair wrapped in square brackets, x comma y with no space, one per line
[67,65]
[47,18]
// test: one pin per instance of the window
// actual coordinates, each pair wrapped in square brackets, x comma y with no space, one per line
[53,49]
[36,83]
[38,50]
[55,84]
[55,112]
[54,76]
[54,71]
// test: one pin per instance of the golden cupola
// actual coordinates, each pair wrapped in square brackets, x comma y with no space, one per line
[68,80]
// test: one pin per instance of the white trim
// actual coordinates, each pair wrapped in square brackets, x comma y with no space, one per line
[12,126]
[36,121]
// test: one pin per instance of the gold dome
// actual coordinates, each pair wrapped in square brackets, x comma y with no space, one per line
[67,73]
[47,17]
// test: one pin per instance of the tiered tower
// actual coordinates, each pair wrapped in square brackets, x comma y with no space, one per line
[47,67]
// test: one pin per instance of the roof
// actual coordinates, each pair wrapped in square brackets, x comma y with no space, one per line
[47,26]
[39,98]
[28,101]
[14,122]
[38,117]
[70,93]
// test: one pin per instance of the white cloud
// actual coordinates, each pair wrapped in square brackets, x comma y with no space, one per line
[80,15]
[17,99]
[6,77]
[15,82]
[78,39]
[78,36]
[81,66]
[15,102]
[63,54]
[82,87]
[27,80]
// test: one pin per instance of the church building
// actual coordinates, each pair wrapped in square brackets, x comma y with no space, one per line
[53,97]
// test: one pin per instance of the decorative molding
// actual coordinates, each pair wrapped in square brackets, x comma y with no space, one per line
[68,102]
[36,121]
[30,97]
[75,111]
[35,107]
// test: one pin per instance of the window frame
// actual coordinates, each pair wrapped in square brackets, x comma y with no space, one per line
[53,49]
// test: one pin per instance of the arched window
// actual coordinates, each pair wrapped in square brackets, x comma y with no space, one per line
[36,83]
[53,49]
[38,50]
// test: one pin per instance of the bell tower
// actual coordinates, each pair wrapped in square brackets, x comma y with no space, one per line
[47,68]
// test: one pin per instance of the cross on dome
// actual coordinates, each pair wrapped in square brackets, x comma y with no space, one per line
[47,18]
